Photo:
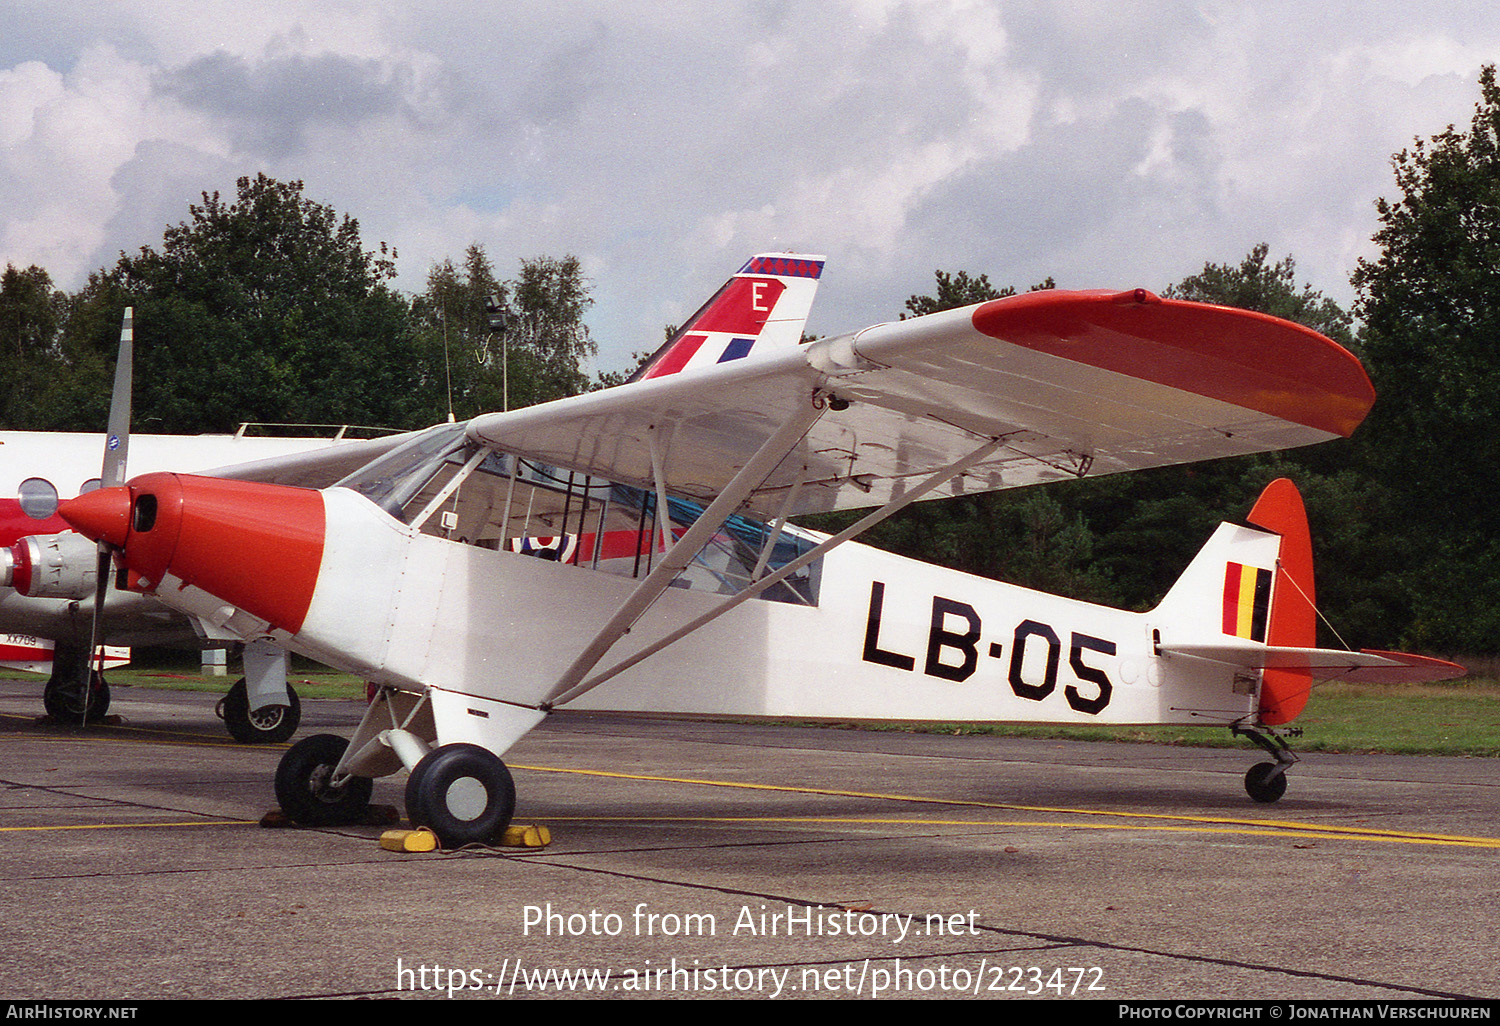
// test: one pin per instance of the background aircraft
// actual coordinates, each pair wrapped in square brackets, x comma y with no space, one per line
[663,506]
[48,573]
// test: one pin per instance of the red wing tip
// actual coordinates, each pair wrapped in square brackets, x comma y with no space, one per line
[1247,359]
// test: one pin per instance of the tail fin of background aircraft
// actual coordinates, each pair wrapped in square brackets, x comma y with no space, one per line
[765,304]
[1247,600]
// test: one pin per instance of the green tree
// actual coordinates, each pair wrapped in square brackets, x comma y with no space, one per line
[539,351]
[954,291]
[1270,288]
[959,290]
[271,300]
[31,317]
[453,319]
[550,298]
[1431,308]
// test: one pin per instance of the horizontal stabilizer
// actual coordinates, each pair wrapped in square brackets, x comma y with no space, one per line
[1365,667]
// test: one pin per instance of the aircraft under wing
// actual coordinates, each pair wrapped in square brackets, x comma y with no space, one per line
[1076,383]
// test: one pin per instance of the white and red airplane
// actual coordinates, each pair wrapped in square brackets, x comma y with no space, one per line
[49,573]
[418,571]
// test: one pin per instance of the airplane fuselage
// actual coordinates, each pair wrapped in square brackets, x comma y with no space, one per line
[888,638]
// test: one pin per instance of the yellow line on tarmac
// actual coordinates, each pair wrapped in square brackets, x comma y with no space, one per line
[1218,823]
[131,826]
[1313,833]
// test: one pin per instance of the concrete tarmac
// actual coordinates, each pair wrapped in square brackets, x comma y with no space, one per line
[694,859]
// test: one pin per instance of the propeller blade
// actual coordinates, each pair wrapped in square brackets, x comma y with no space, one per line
[111,475]
[117,441]
[103,568]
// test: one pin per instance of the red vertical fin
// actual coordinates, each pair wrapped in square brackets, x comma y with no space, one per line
[1293,619]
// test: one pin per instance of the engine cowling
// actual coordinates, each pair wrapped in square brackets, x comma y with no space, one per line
[64,566]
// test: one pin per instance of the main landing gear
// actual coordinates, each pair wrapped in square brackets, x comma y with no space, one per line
[64,700]
[272,724]
[1266,781]
[309,789]
[462,792]
[63,695]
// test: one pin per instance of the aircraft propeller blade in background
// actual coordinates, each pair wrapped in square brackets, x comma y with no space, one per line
[111,475]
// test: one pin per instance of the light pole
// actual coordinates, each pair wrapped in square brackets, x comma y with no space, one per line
[496,314]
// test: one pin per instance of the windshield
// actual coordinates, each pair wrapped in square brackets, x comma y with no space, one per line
[391,481]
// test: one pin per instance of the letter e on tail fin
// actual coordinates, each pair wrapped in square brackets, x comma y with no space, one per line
[1293,615]
[764,305]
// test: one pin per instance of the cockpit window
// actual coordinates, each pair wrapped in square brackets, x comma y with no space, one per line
[442,486]
[392,481]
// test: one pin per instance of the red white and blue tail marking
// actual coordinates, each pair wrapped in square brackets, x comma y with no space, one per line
[764,305]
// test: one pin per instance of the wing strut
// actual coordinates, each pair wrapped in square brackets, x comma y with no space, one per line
[773,535]
[561,694]
[749,478]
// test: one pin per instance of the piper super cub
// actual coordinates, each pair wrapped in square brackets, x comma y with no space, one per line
[485,573]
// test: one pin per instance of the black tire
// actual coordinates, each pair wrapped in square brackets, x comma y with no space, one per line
[1263,783]
[463,793]
[302,784]
[271,725]
[63,699]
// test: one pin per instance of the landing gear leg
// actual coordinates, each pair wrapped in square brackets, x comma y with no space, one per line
[261,707]
[1266,781]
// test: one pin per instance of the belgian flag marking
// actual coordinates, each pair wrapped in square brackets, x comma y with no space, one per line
[1247,601]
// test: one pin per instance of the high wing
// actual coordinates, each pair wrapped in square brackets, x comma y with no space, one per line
[1072,384]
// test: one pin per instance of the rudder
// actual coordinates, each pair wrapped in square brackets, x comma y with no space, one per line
[1293,613]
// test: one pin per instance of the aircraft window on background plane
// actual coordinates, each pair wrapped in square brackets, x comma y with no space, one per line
[91,485]
[38,498]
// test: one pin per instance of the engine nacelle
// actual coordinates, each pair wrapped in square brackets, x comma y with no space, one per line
[62,566]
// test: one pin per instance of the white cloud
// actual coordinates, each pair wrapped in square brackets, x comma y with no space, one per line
[1104,143]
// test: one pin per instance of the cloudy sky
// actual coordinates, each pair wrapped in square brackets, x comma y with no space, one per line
[1104,143]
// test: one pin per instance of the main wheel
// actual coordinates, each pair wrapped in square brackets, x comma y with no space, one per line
[304,786]
[463,793]
[1263,783]
[63,699]
[270,725]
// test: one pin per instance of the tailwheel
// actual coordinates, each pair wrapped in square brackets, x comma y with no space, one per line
[306,788]
[463,793]
[272,724]
[1266,781]
[63,698]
